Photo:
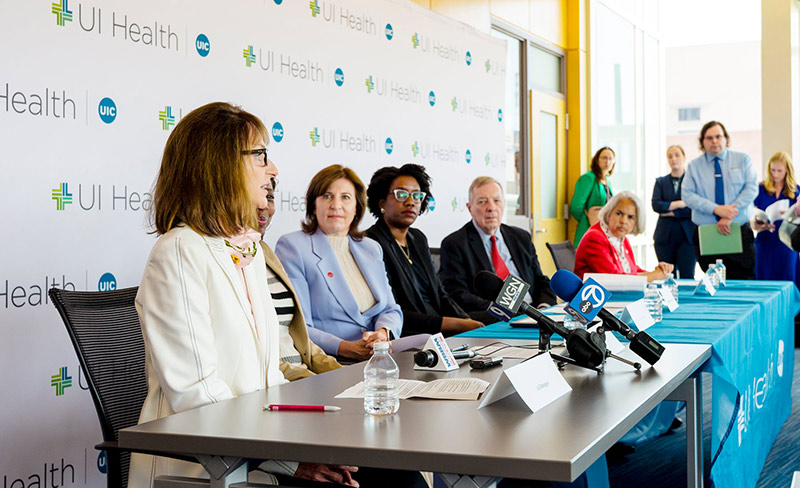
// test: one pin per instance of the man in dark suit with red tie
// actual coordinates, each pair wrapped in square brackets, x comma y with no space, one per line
[485,243]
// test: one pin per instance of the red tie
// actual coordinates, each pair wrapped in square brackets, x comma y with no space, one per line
[498,263]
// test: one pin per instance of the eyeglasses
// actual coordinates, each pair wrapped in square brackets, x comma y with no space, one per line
[402,195]
[259,152]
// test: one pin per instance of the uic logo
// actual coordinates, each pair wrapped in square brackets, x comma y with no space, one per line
[107,110]
[61,380]
[249,56]
[468,156]
[388,145]
[107,282]
[62,196]
[432,98]
[338,77]
[166,118]
[389,31]
[314,6]
[277,132]
[102,462]
[468,58]
[202,45]
[369,84]
[431,203]
[62,12]
[314,136]
[500,115]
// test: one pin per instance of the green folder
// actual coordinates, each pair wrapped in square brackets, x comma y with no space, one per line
[712,242]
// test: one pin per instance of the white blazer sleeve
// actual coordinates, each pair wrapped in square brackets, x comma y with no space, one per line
[176,324]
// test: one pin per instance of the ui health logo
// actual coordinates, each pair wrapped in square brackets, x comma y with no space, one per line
[314,136]
[249,56]
[62,12]
[62,196]
[415,149]
[61,381]
[369,84]
[277,132]
[107,110]
[166,118]
[107,282]
[202,45]
[314,6]
[454,103]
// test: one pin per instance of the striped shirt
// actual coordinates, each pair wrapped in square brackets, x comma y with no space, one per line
[284,307]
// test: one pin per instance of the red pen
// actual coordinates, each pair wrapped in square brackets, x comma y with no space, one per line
[308,408]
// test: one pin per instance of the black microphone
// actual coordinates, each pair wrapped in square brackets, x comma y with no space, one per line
[429,359]
[566,284]
[586,348]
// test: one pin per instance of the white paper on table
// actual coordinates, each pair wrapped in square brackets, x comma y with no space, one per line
[618,282]
[775,211]
[511,352]
[669,299]
[442,389]
[638,313]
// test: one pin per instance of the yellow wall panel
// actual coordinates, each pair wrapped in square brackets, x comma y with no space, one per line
[515,12]
[548,20]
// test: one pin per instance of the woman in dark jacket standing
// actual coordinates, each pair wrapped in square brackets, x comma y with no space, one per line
[396,197]
[674,230]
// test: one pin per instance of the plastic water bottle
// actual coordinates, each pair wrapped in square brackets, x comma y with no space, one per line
[713,275]
[381,379]
[671,286]
[653,301]
[722,270]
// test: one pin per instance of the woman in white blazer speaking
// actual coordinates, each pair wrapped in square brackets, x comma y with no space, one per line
[208,322]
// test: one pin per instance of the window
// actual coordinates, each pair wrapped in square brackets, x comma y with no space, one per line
[686,114]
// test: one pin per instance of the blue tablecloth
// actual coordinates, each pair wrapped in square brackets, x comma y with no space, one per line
[750,326]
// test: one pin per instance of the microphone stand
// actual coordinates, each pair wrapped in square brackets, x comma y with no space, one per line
[544,346]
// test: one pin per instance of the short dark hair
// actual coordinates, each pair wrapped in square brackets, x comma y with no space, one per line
[320,184]
[710,125]
[381,182]
[598,174]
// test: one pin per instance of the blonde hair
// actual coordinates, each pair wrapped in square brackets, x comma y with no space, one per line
[680,148]
[789,184]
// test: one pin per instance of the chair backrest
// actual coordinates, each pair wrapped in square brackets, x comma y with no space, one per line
[104,329]
[435,258]
[563,255]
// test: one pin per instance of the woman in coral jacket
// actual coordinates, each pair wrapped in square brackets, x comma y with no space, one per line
[605,247]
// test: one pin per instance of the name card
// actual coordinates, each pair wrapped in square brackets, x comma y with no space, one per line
[705,282]
[537,381]
[636,313]
[669,299]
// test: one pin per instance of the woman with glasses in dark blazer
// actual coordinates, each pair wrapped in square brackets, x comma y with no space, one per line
[674,230]
[396,197]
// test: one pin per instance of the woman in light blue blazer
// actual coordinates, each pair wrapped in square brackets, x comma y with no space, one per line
[338,274]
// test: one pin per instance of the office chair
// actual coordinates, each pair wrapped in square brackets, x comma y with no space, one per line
[563,255]
[105,332]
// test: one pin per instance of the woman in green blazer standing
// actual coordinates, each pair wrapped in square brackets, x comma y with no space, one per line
[592,191]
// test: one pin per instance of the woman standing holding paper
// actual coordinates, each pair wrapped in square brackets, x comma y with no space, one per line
[774,260]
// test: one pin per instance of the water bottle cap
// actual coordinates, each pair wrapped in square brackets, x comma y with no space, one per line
[719,261]
[380,346]
[669,275]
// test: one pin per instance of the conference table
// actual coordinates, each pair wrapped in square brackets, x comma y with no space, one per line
[750,328]
[504,439]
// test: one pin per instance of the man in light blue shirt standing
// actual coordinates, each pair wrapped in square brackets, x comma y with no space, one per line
[720,187]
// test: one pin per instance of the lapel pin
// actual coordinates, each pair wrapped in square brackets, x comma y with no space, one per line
[330,274]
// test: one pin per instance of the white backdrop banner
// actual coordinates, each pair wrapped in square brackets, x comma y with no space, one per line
[89,91]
